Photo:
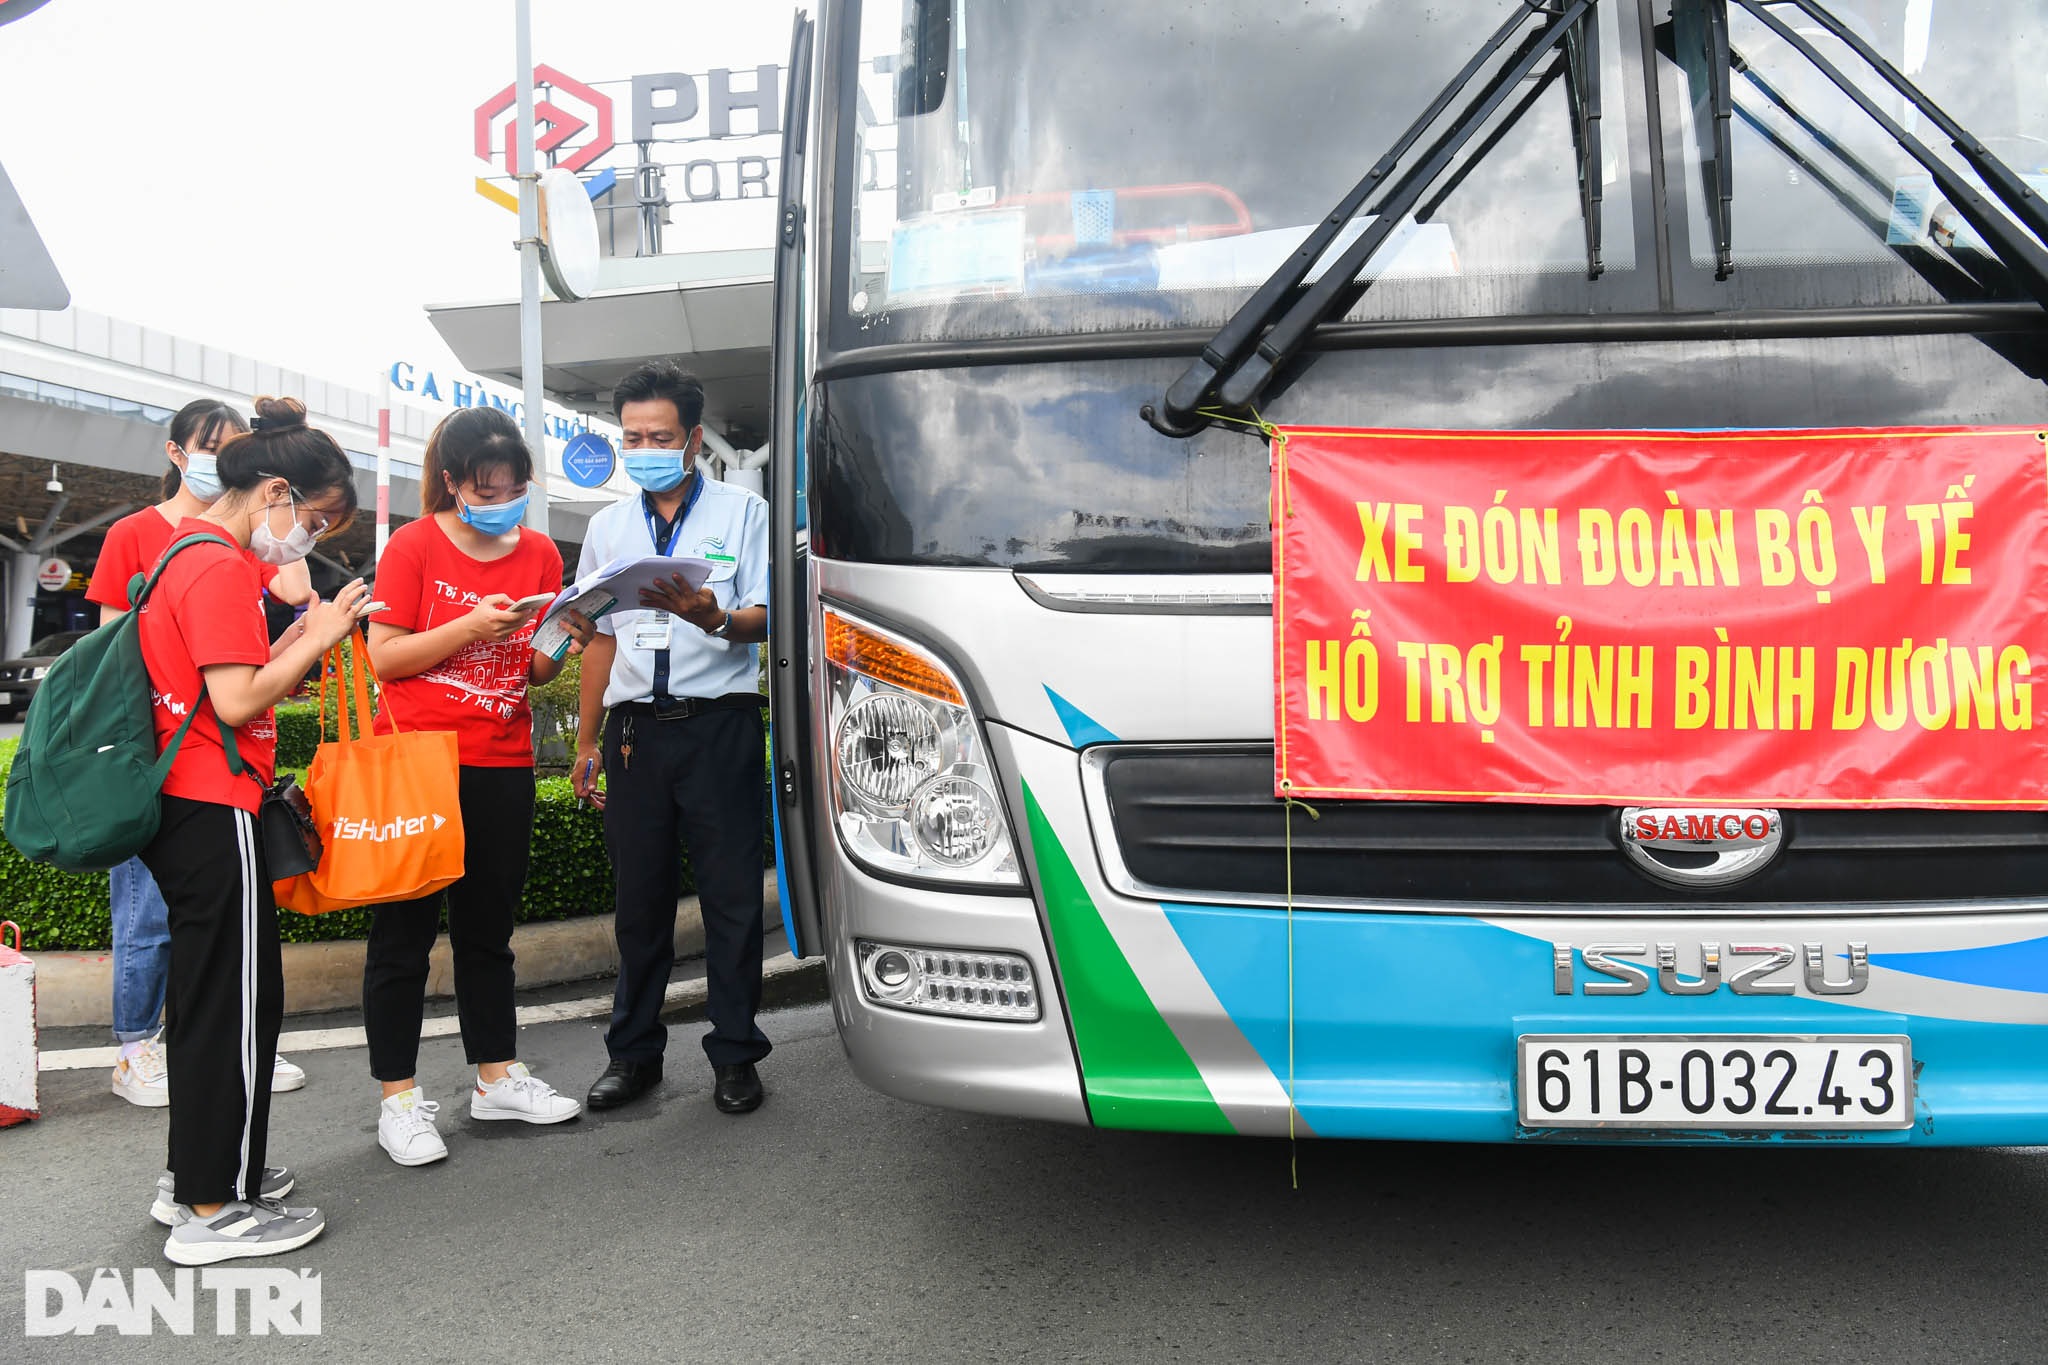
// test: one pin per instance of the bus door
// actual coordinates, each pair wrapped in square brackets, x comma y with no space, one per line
[790,720]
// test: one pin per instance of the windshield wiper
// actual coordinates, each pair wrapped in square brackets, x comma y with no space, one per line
[1950,278]
[1583,95]
[1582,92]
[2014,192]
[1178,412]
[2024,258]
[1716,131]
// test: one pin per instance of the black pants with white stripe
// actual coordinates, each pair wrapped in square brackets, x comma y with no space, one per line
[226,998]
[697,781]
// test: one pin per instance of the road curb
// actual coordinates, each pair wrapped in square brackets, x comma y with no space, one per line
[77,989]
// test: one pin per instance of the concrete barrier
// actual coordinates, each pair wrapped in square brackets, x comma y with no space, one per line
[77,989]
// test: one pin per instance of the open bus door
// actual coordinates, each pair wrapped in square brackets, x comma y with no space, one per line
[789,617]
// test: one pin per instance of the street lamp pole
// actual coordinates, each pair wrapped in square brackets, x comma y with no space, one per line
[383,467]
[528,172]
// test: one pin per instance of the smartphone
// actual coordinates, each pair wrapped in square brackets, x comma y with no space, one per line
[533,603]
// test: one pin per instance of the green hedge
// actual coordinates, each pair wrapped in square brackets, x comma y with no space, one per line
[571,876]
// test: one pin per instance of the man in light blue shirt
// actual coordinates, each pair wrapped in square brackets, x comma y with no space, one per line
[671,717]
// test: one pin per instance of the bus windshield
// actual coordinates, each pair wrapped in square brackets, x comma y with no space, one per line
[1017,168]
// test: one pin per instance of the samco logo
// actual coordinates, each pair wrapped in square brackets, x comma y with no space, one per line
[1700,848]
[379,832]
[1719,829]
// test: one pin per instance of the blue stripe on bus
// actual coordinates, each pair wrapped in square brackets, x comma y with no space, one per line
[1405,1026]
[2019,966]
[1082,728]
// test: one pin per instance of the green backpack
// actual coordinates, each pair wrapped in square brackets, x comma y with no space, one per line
[84,794]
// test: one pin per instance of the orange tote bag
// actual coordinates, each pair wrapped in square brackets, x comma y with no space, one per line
[387,806]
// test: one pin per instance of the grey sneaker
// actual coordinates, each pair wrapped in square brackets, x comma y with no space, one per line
[277,1183]
[265,1228]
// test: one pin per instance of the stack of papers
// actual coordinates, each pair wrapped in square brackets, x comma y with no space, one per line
[617,583]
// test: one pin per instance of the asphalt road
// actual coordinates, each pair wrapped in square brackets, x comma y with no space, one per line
[837,1225]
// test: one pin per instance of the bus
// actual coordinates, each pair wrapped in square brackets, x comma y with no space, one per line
[1062,287]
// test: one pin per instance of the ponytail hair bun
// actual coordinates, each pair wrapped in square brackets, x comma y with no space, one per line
[280,444]
[278,414]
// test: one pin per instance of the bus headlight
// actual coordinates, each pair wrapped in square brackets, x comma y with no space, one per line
[955,820]
[913,793]
[888,745]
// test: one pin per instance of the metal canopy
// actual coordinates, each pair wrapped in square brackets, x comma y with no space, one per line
[28,277]
[719,331]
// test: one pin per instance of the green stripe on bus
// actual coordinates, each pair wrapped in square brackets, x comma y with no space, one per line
[1136,1072]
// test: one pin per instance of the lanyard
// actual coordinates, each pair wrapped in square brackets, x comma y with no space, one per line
[682,515]
[660,690]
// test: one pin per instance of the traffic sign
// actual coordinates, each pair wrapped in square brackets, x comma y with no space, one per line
[588,460]
[52,574]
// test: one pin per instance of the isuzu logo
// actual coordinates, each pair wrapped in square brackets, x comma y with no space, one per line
[1700,848]
[1754,968]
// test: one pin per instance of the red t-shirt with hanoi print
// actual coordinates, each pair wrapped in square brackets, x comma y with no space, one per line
[202,614]
[479,691]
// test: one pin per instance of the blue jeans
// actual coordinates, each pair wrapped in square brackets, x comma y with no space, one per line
[142,951]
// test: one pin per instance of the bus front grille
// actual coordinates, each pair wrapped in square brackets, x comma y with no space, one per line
[1200,822]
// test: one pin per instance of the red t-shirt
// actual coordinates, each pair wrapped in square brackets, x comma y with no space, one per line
[133,546]
[198,616]
[479,691]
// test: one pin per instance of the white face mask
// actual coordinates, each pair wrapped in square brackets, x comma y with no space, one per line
[296,545]
[202,475]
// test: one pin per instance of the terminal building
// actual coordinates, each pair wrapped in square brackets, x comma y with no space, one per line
[86,403]
[86,400]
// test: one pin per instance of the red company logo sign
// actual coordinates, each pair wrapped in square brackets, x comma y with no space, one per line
[555,126]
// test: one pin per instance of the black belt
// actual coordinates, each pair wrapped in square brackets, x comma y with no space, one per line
[682,708]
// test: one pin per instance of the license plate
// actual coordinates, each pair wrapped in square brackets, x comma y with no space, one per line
[1777,1081]
[6,698]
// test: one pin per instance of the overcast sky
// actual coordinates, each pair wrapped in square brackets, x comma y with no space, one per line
[294,181]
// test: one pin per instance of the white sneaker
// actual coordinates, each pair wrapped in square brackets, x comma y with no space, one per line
[284,1076]
[521,1095]
[143,1078]
[405,1129]
[264,1228]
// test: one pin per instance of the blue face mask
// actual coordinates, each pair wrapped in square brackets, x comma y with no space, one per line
[494,519]
[202,475]
[657,471]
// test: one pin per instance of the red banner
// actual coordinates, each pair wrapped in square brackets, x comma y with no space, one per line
[1781,618]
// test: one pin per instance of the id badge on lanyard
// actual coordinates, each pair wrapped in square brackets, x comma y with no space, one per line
[654,631]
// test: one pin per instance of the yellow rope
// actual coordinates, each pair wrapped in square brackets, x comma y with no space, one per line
[1293,1149]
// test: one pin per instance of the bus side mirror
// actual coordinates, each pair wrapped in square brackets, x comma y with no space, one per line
[927,58]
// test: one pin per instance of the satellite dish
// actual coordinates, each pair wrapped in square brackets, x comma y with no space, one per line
[568,235]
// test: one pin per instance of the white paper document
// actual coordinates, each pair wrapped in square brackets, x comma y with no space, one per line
[617,585]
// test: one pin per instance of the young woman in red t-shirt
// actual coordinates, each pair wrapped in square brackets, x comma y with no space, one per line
[142,938]
[283,486]
[455,653]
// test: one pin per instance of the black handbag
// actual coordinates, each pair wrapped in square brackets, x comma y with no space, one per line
[291,841]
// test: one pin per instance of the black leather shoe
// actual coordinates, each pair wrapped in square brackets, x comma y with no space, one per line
[622,1083]
[738,1090]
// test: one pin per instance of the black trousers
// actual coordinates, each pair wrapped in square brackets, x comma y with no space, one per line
[699,781]
[497,829]
[226,998]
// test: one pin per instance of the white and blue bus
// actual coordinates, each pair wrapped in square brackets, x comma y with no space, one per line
[1022,662]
